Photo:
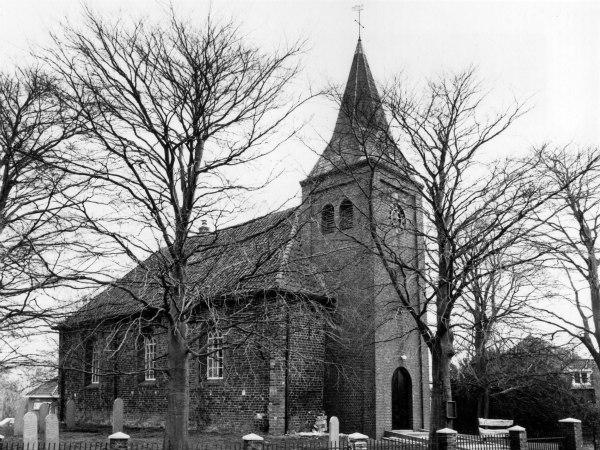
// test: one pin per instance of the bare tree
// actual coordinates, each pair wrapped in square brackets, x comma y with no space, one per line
[36,200]
[493,315]
[175,117]
[569,240]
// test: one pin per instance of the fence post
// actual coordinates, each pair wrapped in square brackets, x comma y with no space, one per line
[253,442]
[118,441]
[357,441]
[570,430]
[517,437]
[446,439]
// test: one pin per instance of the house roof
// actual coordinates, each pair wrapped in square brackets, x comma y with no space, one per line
[264,254]
[48,389]
[361,129]
[581,364]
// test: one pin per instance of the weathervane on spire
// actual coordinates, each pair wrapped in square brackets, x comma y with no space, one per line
[358,8]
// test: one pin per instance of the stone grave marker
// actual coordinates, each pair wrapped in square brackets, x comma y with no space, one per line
[30,431]
[51,436]
[21,410]
[334,432]
[117,416]
[70,413]
[42,413]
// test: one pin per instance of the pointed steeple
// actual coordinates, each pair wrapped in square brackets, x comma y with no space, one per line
[360,123]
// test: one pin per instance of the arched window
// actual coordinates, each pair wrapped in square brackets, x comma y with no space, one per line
[327,219]
[149,358]
[397,216]
[214,357]
[346,215]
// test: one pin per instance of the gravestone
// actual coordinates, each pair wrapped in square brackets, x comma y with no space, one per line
[21,410]
[117,416]
[51,436]
[42,413]
[334,432]
[30,431]
[70,413]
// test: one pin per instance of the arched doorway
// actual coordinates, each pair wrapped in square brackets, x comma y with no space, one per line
[401,400]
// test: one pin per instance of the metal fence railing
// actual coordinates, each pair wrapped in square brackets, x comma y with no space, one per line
[464,442]
[278,445]
[545,443]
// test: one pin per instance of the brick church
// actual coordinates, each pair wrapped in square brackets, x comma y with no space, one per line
[365,363]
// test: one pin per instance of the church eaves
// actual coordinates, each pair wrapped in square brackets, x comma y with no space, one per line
[361,130]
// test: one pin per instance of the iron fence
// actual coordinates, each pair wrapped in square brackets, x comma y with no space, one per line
[464,442]
[545,443]
[281,445]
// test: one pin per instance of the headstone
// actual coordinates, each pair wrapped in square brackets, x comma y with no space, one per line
[51,436]
[21,410]
[70,413]
[334,432]
[42,413]
[30,431]
[117,416]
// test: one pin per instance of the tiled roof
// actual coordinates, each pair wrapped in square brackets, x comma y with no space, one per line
[361,127]
[261,255]
[581,364]
[48,389]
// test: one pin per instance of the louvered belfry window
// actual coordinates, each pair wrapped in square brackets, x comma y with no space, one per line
[327,219]
[346,215]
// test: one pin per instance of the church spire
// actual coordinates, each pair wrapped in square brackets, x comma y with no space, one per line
[360,115]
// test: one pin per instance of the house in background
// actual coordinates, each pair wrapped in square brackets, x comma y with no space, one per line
[47,392]
[585,379]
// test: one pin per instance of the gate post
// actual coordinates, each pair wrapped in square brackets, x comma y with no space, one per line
[446,439]
[517,437]
[570,430]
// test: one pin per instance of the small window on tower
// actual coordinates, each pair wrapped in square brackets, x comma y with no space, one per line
[327,219]
[397,216]
[346,215]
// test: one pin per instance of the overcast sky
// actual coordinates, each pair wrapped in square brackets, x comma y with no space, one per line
[545,53]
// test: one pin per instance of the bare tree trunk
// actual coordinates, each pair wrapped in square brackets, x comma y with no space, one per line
[177,418]
[441,391]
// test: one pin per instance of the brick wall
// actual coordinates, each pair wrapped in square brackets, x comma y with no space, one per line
[375,331]
[241,399]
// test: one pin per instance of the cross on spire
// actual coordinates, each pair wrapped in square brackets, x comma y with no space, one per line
[358,8]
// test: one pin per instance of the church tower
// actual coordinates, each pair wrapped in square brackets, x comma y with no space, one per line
[377,365]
